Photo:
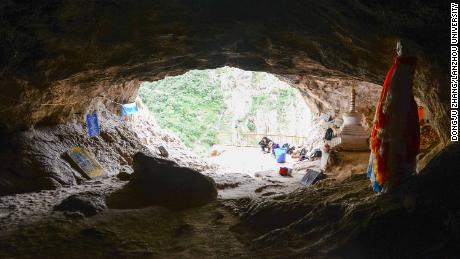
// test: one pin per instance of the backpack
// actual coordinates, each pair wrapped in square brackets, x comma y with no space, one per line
[274,146]
[329,134]
[303,152]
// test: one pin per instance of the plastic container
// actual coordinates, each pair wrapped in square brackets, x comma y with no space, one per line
[280,154]
[285,171]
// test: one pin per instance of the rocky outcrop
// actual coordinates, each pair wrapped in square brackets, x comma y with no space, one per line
[125,173]
[331,95]
[161,182]
[58,56]
[36,159]
[87,203]
[164,182]
[345,220]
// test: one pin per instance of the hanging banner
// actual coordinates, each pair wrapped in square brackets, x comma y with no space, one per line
[86,163]
[129,109]
[93,124]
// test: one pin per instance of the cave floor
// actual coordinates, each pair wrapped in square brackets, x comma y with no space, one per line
[249,160]
[31,229]
[215,230]
[152,232]
[247,172]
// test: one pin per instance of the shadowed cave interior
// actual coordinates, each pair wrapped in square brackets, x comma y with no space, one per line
[137,189]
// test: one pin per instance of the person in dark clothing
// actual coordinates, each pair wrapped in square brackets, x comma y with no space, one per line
[274,146]
[329,134]
[265,144]
[303,154]
[288,148]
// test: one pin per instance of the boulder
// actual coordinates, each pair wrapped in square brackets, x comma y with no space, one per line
[125,173]
[88,203]
[164,182]
[163,151]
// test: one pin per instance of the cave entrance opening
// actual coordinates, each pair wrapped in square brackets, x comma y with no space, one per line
[222,114]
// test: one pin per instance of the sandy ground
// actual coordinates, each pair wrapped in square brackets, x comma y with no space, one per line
[252,174]
[256,172]
[28,221]
[29,228]
[240,173]
[249,160]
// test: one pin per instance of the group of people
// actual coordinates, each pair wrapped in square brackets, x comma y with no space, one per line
[298,152]
[267,146]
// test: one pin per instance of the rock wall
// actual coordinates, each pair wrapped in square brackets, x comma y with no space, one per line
[345,220]
[332,95]
[36,159]
[60,55]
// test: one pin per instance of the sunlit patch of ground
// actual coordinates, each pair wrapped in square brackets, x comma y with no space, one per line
[249,160]
[247,172]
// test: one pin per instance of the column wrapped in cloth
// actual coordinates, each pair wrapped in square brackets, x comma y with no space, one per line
[395,135]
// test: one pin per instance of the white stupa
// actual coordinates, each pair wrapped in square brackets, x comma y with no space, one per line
[353,135]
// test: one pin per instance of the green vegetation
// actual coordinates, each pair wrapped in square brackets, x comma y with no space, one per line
[188,105]
[207,107]
[273,100]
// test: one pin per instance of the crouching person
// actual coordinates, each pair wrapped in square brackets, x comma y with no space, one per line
[265,144]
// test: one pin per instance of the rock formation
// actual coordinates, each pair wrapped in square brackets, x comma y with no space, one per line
[416,221]
[88,203]
[61,55]
[157,181]
[36,159]
[61,59]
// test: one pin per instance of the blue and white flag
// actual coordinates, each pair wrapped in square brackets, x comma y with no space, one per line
[326,117]
[129,108]
[93,124]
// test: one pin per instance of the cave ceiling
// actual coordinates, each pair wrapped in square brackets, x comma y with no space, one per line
[58,55]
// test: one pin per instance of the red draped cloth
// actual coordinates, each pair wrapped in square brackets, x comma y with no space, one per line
[395,135]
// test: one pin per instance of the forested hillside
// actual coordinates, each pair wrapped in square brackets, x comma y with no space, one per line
[206,107]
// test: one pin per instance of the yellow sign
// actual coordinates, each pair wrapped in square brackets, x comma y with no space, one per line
[86,162]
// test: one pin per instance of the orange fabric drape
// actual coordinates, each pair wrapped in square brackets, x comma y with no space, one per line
[420,110]
[379,148]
